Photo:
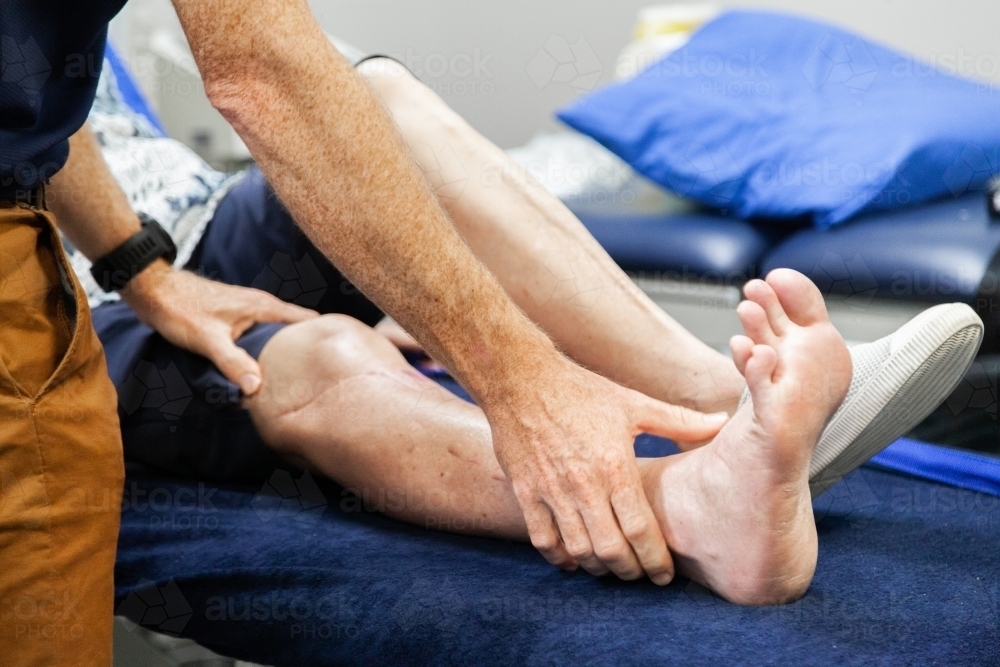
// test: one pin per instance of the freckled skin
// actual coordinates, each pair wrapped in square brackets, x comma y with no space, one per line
[333,155]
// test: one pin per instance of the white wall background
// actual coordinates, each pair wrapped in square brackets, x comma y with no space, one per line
[476,53]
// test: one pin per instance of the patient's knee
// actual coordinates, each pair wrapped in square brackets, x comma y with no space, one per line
[387,76]
[307,365]
[329,348]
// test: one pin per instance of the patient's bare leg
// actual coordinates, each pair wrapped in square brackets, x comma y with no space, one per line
[547,261]
[340,399]
[736,513]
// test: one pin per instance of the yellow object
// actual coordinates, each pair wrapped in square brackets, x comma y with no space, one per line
[659,30]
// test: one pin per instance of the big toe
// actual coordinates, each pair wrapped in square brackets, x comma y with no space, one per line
[799,297]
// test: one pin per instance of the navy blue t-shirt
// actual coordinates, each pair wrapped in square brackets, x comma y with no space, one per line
[50,61]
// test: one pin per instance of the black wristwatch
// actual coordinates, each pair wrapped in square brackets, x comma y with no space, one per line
[113,271]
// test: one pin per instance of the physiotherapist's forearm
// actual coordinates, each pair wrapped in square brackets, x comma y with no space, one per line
[95,215]
[90,207]
[332,154]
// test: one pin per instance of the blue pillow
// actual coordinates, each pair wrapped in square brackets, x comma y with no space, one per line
[770,115]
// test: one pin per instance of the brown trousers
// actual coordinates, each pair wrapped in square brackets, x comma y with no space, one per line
[61,470]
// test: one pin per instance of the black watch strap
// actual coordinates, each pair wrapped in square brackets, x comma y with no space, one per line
[113,271]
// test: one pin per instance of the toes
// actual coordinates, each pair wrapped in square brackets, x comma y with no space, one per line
[755,323]
[798,296]
[759,371]
[762,294]
[742,348]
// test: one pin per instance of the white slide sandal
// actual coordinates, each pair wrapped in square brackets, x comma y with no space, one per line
[898,380]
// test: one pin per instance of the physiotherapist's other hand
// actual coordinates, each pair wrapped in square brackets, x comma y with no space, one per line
[206,316]
[569,454]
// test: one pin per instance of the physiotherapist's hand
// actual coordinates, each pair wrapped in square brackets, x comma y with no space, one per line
[569,455]
[206,316]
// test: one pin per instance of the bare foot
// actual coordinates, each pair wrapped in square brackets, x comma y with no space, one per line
[737,512]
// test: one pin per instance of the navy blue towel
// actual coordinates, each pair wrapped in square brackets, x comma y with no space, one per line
[300,573]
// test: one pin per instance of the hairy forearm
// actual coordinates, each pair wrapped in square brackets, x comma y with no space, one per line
[333,155]
[92,211]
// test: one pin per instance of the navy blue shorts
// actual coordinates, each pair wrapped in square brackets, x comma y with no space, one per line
[178,413]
